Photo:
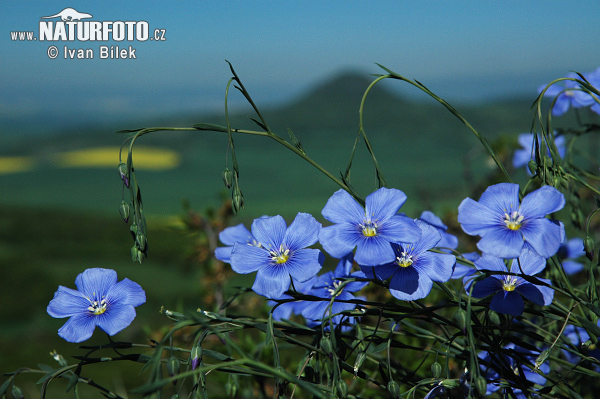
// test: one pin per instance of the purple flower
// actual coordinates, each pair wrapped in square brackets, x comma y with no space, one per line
[415,267]
[282,254]
[369,230]
[448,240]
[326,287]
[229,237]
[98,301]
[509,290]
[523,155]
[506,225]
[570,250]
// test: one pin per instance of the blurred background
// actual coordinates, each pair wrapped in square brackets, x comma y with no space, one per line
[306,65]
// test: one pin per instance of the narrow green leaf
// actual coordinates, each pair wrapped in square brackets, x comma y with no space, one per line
[73,379]
[210,127]
[125,131]
[593,308]
[262,126]
[269,332]
[5,385]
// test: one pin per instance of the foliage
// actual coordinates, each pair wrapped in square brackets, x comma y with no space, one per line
[413,334]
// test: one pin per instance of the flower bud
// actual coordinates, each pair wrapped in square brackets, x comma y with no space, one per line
[195,356]
[136,254]
[360,359]
[532,166]
[17,393]
[226,175]
[173,367]
[394,389]
[238,200]
[342,389]
[123,174]
[481,385]
[588,245]
[124,210]
[494,318]
[326,345]
[230,389]
[436,370]
[141,241]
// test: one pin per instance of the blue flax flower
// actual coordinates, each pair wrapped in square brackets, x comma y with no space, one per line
[523,155]
[415,267]
[286,309]
[514,365]
[369,230]
[229,236]
[568,94]
[282,253]
[448,240]
[505,225]
[509,290]
[568,252]
[98,301]
[326,287]
[580,342]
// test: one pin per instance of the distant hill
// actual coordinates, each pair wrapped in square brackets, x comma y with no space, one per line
[422,148]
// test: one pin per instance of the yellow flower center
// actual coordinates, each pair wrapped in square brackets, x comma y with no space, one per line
[96,307]
[404,260]
[369,228]
[280,256]
[514,220]
[509,284]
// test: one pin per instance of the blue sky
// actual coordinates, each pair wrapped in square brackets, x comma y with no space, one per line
[463,50]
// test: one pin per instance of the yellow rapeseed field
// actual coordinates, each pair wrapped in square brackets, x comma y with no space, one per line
[150,158]
[15,164]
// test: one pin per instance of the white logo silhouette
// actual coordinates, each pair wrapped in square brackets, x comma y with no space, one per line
[70,14]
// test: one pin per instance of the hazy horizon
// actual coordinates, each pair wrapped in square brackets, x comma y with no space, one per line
[465,51]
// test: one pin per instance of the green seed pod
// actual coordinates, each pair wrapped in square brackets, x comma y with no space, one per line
[436,370]
[588,245]
[124,210]
[394,389]
[227,175]
[461,318]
